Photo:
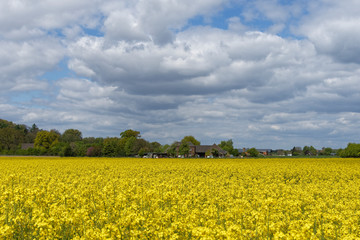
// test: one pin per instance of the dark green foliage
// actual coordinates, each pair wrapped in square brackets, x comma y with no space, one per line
[143,151]
[229,147]
[296,151]
[112,147]
[94,151]
[253,152]
[171,150]
[184,149]
[352,150]
[10,138]
[191,139]
[215,152]
[71,135]
[66,151]
[155,147]
[46,140]
[309,151]
[130,133]
[5,124]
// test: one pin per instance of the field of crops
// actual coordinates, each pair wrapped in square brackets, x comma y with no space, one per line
[87,198]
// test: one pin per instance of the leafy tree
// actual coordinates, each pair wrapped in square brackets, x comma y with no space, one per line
[94,151]
[130,146]
[184,149]
[164,148]
[66,151]
[5,124]
[191,139]
[171,150]
[215,152]
[253,152]
[111,147]
[34,128]
[228,146]
[10,138]
[130,133]
[326,151]
[352,150]
[45,139]
[311,151]
[23,129]
[143,151]
[71,135]
[79,148]
[155,147]
[92,140]
[139,144]
[296,151]
[31,134]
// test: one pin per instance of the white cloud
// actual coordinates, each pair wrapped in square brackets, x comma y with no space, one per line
[332,26]
[29,84]
[21,62]
[17,14]
[150,70]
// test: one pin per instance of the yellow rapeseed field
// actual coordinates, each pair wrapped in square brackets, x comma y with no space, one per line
[128,198]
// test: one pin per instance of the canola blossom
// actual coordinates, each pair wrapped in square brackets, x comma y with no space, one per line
[130,198]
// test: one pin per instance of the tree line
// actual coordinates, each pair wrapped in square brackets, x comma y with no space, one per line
[19,139]
[14,139]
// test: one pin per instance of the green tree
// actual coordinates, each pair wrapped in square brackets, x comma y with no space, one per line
[5,124]
[310,151]
[296,151]
[94,151]
[10,138]
[352,150]
[130,149]
[171,150]
[155,147]
[228,146]
[253,152]
[130,133]
[111,147]
[326,151]
[71,135]
[34,128]
[215,152]
[191,139]
[143,151]
[164,148]
[31,134]
[46,140]
[184,149]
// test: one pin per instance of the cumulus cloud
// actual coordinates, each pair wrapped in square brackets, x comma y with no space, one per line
[22,62]
[146,67]
[200,61]
[144,20]
[332,27]
[45,15]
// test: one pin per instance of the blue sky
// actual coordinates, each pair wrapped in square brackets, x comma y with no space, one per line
[265,73]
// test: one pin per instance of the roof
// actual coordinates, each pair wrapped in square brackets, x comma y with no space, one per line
[205,148]
[25,146]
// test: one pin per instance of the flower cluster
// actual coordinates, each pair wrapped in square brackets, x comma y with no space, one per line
[129,198]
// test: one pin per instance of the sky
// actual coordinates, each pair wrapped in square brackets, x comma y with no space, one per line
[264,73]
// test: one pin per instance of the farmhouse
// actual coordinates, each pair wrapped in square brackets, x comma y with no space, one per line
[203,151]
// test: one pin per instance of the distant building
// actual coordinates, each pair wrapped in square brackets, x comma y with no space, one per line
[203,151]
[26,146]
[264,152]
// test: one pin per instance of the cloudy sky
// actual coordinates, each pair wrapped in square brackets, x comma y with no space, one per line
[265,73]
